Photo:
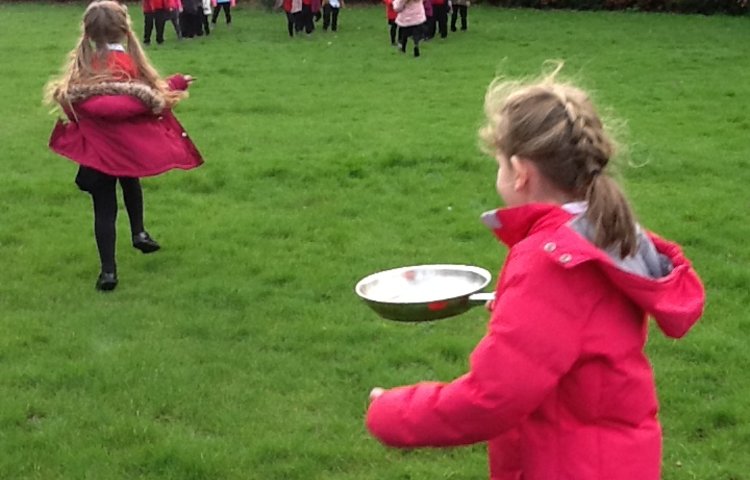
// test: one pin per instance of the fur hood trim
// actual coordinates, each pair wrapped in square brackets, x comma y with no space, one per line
[146,94]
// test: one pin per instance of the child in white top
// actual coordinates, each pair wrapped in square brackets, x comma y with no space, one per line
[331,13]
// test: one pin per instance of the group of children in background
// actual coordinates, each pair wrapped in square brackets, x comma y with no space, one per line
[301,15]
[190,18]
[419,20]
[422,19]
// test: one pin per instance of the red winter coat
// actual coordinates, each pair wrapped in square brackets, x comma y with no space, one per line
[559,385]
[122,129]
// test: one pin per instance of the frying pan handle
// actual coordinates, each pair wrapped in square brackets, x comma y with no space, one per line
[480,298]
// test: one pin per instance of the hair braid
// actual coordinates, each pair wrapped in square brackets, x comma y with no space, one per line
[608,208]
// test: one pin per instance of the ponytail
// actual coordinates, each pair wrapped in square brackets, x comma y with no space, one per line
[611,216]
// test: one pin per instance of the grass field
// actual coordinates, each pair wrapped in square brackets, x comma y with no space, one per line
[239,351]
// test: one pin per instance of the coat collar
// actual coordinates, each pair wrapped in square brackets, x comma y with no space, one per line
[149,96]
[513,224]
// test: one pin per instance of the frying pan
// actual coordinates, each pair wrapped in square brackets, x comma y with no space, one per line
[425,292]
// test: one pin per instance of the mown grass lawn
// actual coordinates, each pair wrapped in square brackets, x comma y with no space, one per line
[239,351]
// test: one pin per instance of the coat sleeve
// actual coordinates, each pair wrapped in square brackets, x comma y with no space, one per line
[111,107]
[178,82]
[532,341]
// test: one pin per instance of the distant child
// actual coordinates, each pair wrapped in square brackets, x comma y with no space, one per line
[315,7]
[428,29]
[206,17]
[306,16]
[460,7]
[291,14]
[225,5]
[390,16]
[440,12]
[154,14]
[119,126]
[409,20]
[191,18]
[331,13]
[560,385]
[174,7]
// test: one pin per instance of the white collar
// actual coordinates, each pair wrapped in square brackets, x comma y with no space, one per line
[576,208]
[117,47]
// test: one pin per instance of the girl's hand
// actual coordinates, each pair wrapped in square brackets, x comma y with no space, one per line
[490,305]
[376,392]
[189,79]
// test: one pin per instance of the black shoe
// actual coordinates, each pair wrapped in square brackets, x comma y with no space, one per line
[106,282]
[145,243]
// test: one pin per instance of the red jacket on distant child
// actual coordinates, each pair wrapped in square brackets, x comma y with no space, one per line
[150,6]
[390,13]
[121,127]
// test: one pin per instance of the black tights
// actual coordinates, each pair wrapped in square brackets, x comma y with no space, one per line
[227,12]
[105,215]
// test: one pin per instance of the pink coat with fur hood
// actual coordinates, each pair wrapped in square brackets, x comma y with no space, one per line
[122,129]
[559,386]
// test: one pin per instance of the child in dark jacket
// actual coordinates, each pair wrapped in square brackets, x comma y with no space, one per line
[191,18]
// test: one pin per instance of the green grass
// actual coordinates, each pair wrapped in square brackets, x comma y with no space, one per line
[240,351]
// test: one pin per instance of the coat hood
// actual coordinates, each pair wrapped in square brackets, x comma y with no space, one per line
[658,277]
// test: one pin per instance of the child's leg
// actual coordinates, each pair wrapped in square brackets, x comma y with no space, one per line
[133,196]
[326,16]
[393,31]
[185,27]
[198,22]
[161,20]
[441,12]
[335,19]
[148,27]
[227,12]
[454,17]
[298,21]
[464,9]
[290,23]
[417,35]
[404,33]
[215,16]
[105,217]
[307,18]
[174,17]
[206,23]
